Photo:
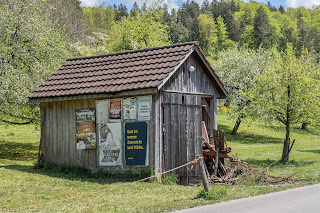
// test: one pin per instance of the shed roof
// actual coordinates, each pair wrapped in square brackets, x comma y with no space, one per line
[116,72]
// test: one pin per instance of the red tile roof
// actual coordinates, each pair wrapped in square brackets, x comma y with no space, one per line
[115,72]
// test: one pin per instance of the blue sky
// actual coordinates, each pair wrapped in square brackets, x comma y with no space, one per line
[176,3]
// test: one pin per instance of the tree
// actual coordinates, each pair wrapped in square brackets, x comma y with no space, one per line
[31,49]
[222,42]
[208,36]
[262,28]
[238,69]
[67,15]
[288,92]
[138,31]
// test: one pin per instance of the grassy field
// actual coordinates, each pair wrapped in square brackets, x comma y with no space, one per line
[21,185]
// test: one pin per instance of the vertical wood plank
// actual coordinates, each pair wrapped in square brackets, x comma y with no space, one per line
[197,125]
[157,132]
[59,142]
[183,139]
[54,133]
[43,133]
[167,130]
[50,133]
[73,130]
[173,127]
[65,132]
[78,151]
[161,131]
[215,117]
[177,126]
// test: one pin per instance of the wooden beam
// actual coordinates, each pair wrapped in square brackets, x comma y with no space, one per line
[122,94]
[189,93]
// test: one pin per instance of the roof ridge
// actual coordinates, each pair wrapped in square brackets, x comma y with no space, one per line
[133,51]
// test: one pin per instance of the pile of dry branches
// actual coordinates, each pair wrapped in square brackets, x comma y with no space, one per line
[240,172]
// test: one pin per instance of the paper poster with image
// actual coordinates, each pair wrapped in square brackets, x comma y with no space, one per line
[102,111]
[144,108]
[129,108]
[85,124]
[110,146]
[115,110]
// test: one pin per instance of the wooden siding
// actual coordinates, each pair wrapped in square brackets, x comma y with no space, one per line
[185,81]
[58,134]
[181,133]
[58,137]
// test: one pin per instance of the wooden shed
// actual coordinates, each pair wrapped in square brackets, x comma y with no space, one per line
[129,111]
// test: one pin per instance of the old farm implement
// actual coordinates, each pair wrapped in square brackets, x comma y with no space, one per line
[215,150]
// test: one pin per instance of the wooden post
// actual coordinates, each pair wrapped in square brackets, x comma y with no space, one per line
[204,176]
[216,162]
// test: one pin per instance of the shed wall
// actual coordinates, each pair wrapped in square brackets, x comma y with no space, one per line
[178,118]
[58,137]
[58,134]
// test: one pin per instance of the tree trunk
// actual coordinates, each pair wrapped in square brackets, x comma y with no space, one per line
[286,144]
[304,125]
[236,126]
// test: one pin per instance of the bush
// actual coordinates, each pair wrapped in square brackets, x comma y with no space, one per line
[217,193]
[169,179]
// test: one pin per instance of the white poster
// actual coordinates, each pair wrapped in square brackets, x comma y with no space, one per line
[144,108]
[130,108]
[102,111]
[110,146]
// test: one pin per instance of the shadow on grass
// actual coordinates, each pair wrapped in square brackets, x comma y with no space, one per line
[316,151]
[248,138]
[79,173]
[17,151]
[277,163]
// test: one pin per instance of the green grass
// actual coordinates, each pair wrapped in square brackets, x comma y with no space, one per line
[261,145]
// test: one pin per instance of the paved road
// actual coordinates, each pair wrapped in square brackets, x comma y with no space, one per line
[299,200]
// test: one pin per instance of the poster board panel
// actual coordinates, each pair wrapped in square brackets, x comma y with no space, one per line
[102,111]
[110,144]
[130,108]
[136,143]
[144,108]
[115,110]
[86,132]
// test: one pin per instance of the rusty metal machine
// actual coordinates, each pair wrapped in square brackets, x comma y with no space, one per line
[215,150]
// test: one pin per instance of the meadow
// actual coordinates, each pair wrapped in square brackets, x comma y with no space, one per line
[260,145]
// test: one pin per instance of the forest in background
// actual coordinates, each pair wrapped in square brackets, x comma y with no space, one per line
[267,57]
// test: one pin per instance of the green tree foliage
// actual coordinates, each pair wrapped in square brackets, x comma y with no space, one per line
[31,49]
[208,33]
[223,41]
[238,69]
[262,28]
[288,92]
[139,30]
[100,19]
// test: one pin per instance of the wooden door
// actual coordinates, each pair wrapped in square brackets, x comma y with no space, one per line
[182,115]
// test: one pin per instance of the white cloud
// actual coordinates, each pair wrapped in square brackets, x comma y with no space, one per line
[89,3]
[302,3]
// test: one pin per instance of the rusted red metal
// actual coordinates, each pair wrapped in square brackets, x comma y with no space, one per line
[209,149]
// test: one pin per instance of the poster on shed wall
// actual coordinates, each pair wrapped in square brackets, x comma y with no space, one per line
[144,108]
[115,110]
[102,111]
[85,123]
[136,144]
[110,146]
[130,108]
